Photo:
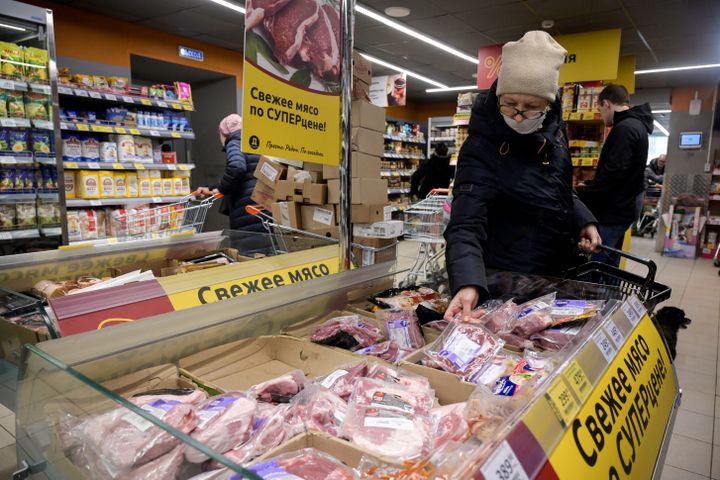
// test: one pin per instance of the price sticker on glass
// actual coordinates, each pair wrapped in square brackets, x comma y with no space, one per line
[562,401]
[579,383]
[503,464]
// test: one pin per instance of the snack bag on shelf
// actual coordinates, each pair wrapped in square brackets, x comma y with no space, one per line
[36,60]
[3,103]
[36,106]
[7,216]
[184,92]
[12,60]
[88,183]
[15,104]
[70,185]
[46,214]
[41,141]
[82,80]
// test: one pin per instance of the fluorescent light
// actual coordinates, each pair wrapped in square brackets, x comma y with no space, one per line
[404,70]
[451,89]
[12,27]
[661,128]
[662,111]
[230,5]
[677,69]
[415,34]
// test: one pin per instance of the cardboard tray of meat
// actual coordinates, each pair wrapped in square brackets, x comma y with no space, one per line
[281,389]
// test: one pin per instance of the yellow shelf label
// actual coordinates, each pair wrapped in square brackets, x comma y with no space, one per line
[588,116]
[562,401]
[187,107]
[145,101]
[112,241]
[83,128]
[175,135]
[134,131]
[120,130]
[184,167]
[578,381]
[118,166]
[139,166]
[70,165]
[576,116]
[176,106]
[101,128]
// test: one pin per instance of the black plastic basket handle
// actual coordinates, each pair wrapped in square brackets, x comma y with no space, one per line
[651,265]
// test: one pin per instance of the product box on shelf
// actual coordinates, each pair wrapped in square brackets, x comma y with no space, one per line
[362,165]
[304,192]
[287,214]
[366,115]
[263,195]
[367,213]
[303,174]
[329,232]
[360,90]
[317,217]
[269,171]
[364,191]
[380,250]
[240,365]
[391,229]
[362,68]
[367,141]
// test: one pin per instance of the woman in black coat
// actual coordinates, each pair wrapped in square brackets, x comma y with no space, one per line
[238,182]
[436,172]
[514,208]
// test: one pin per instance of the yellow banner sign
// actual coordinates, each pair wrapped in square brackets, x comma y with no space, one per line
[618,432]
[291,86]
[625,73]
[591,55]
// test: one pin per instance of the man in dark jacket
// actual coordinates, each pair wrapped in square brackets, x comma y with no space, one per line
[238,182]
[615,195]
[655,171]
[433,173]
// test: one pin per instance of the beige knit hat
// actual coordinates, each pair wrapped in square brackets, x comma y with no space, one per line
[531,66]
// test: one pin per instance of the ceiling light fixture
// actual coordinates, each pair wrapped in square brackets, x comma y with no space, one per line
[397,12]
[451,89]
[404,70]
[661,128]
[410,32]
[12,27]
[662,111]
[677,69]
[230,5]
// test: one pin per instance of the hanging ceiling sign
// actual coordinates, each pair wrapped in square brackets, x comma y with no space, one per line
[389,90]
[191,53]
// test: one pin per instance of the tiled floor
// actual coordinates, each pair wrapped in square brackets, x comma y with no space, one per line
[694,452]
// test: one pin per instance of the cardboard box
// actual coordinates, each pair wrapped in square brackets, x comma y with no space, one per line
[240,365]
[362,165]
[264,195]
[329,232]
[391,229]
[315,176]
[269,171]
[306,192]
[313,167]
[366,115]
[348,453]
[362,68]
[317,217]
[448,388]
[378,250]
[365,191]
[287,214]
[287,191]
[314,193]
[12,339]
[367,213]
[368,141]
[360,90]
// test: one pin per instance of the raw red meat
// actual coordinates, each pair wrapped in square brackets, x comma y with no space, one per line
[399,376]
[194,397]
[288,26]
[534,316]
[163,468]
[280,389]
[501,319]
[311,464]
[342,380]
[556,338]
[386,350]
[463,349]
[403,327]
[225,421]
[258,10]
[349,332]
[321,46]
[513,340]
[439,325]
[380,394]
[449,424]
[324,410]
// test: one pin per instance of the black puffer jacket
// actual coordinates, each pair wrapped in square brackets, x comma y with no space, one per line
[514,208]
[433,173]
[620,175]
[237,184]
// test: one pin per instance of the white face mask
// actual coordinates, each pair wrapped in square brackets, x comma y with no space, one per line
[526,126]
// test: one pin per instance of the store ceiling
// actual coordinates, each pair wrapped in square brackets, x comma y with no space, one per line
[677,32]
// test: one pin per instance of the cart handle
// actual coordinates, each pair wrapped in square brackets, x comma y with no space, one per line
[651,265]
[440,190]
[218,195]
[253,209]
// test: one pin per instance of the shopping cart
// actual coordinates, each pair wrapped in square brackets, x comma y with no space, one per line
[425,223]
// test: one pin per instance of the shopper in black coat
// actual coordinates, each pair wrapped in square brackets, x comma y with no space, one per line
[436,172]
[615,195]
[514,207]
[655,171]
[238,182]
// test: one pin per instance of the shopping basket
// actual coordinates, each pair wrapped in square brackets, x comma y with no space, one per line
[621,284]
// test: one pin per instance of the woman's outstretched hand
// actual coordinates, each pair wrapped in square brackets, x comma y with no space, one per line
[463,303]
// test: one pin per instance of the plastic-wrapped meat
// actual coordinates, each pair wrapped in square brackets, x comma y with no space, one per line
[281,389]
[556,338]
[516,341]
[389,374]
[311,464]
[163,468]
[388,432]
[380,394]
[449,424]
[342,380]
[565,311]
[349,332]
[439,325]
[389,351]
[486,412]
[501,364]
[534,316]
[463,349]
[185,395]
[500,319]
[224,421]
[409,299]
[324,410]
[403,327]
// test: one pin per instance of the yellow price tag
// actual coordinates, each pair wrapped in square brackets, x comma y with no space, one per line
[588,116]
[112,241]
[175,135]
[562,401]
[184,167]
[176,106]
[118,166]
[587,162]
[187,107]
[83,128]
[145,101]
[70,165]
[576,116]
[134,131]
[139,166]
[120,130]
[101,128]
[578,381]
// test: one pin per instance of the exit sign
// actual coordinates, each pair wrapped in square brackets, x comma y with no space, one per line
[191,53]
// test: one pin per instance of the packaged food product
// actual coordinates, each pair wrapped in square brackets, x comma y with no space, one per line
[118,221]
[154,173]
[534,316]
[15,104]
[19,140]
[126,148]
[82,80]
[342,380]
[393,396]
[119,84]
[25,215]
[564,311]
[137,220]
[399,376]
[73,220]
[69,180]
[88,184]
[88,225]
[46,214]
[107,183]
[120,184]
[101,218]
[4,139]
[143,174]
[71,147]
[177,186]
[7,180]
[7,216]
[167,186]
[14,68]
[555,338]
[100,83]
[131,184]
[157,187]
[143,149]
[403,327]
[108,152]
[41,141]
[183,91]
[350,332]
[388,350]
[186,186]
[36,60]
[48,183]
[3,103]
[90,149]
[145,187]
[36,106]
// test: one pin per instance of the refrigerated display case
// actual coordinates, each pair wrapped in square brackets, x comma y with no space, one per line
[561,428]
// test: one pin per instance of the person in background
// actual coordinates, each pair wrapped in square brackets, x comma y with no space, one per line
[514,208]
[238,182]
[433,173]
[616,193]
[655,170]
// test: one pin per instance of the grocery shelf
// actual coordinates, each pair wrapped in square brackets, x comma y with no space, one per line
[12,159]
[396,191]
[127,166]
[17,197]
[43,160]
[583,144]
[403,156]
[19,234]
[49,196]
[51,231]
[14,122]
[40,88]
[43,124]
[147,132]
[396,173]
[114,240]
[107,202]
[403,138]
[124,98]
[14,85]
[442,139]
[584,161]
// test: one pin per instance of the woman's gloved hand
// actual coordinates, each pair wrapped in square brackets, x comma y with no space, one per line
[589,238]
[463,304]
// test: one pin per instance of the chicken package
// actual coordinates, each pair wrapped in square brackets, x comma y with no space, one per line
[377,393]
[224,421]
[403,327]
[449,424]
[463,349]
[534,316]
[324,410]
[342,381]
[163,468]
[565,311]
[402,377]
[555,338]
[281,389]
[305,464]
[349,332]
[388,431]
[501,318]
[487,412]
[389,351]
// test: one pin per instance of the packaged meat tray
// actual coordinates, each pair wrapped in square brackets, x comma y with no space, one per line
[565,311]
[281,389]
[342,381]
[403,327]
[323,410]
[399,376]
[411,298]
[389,351]
[449,424]
[349,332]
[534,316]
[380,394]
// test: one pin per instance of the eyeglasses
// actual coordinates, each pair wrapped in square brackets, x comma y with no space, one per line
[509,111]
